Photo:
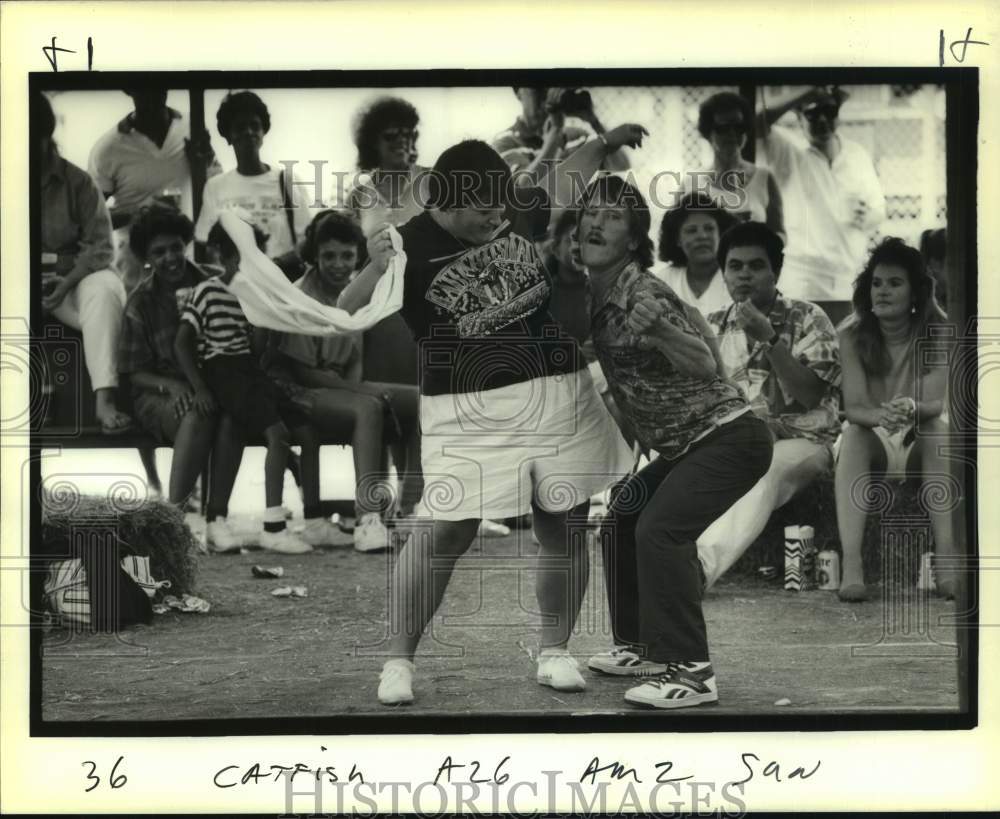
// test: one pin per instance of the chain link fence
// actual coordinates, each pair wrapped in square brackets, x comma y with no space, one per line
[901,127]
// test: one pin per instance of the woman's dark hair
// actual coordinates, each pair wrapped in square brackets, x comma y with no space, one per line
[718,103]
[563,224]
[470,174]
[238,104]
[219,237]
[373,119]
[42,118]
[674,219]
[616,191]
[753,234]
[934,244]
[868,333]
[331,224]
[157,220]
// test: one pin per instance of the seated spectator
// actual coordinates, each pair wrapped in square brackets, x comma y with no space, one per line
[894,416]
[271,197]
[78,287]
[689,245]
[541,135]
[321,375]
[162,395]
[147,156]
[783,354]
[831,193]
[213,350]
[747,191]
[934,249]
[385,134]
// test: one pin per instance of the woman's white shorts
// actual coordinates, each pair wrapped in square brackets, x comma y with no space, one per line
[489,454]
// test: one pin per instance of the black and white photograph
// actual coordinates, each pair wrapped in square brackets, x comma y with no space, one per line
[432,407]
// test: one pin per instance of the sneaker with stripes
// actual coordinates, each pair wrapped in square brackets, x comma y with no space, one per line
[623,662]
[683,685]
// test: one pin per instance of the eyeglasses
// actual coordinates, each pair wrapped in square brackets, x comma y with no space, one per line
[814,113]
[732,128]
[396,134]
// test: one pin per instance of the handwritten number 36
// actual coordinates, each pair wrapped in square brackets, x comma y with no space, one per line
[113,780]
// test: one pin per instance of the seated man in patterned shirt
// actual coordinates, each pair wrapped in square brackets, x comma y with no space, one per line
[783,354]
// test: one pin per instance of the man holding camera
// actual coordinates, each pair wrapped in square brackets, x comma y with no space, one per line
[541,134]
[832,195]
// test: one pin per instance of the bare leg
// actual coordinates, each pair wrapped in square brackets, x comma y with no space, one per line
[860,451]
[307,438]
[563,569]
[342,412]
[227,452]
[421,576]
[147,455]
[191,447]
[274,463]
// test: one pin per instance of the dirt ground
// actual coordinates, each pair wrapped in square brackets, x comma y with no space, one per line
[258,656]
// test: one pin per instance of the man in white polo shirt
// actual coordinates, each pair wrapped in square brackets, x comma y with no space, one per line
[146,155]
[832,195]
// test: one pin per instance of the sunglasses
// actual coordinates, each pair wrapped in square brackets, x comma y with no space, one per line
[395,134]
[733,128]
[814,113]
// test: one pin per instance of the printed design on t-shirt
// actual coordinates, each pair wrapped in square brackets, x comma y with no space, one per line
[490,287]
[262,211]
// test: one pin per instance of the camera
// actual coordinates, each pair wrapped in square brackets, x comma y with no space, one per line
[572,102]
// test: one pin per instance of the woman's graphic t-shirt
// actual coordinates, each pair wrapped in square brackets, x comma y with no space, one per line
[480,314]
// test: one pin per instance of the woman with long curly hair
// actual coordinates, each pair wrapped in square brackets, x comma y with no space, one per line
[894,397]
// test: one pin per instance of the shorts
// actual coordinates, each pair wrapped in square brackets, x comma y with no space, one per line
[155,414]
[897,446]
[244,392]
[492,454]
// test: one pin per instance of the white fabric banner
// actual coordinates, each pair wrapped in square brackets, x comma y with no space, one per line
[269,300]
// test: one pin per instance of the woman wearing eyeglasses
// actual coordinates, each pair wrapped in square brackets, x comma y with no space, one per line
[385,134]
[747,191]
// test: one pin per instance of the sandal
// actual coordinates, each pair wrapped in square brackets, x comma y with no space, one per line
[125,424]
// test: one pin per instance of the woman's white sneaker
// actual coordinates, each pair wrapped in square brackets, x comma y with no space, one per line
[395,683]
[220,537]
[558,670]
[321,532]
[683,685]
[284,542]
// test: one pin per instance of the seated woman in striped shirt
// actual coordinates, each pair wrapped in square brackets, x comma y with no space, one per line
[213,349]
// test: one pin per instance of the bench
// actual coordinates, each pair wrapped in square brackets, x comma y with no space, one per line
[67,411]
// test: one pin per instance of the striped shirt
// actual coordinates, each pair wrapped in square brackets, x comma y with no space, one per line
[218,319]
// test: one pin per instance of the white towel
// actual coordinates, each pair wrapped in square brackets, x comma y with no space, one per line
[269,300]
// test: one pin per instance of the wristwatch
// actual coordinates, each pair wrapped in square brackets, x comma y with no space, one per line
[774,339]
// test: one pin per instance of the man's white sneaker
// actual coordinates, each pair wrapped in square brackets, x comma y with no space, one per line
[221,537]
[683,685]
[321,532]
[624,663]
[284,542]
[370,534]
[557,669]
[395,686]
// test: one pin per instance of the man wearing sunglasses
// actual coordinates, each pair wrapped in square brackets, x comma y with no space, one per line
[833,197]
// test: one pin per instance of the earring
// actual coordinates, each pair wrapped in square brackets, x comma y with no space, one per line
[913,309]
